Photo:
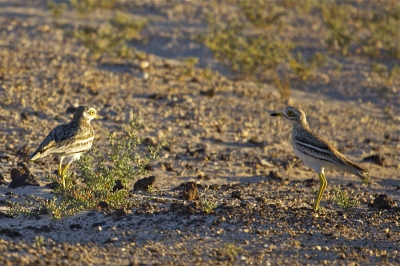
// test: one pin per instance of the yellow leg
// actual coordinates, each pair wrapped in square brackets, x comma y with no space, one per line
[63,174]
[60,165]
[322,186]
[60,169]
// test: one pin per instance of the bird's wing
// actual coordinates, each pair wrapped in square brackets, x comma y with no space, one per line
[57,141]
[314,146]
[322,149]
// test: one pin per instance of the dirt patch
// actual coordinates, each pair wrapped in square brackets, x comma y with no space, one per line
[254,197]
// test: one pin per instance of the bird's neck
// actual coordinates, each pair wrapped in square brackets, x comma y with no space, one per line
[302,124]
[82,121]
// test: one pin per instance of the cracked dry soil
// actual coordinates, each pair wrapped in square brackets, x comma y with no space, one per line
[225,141]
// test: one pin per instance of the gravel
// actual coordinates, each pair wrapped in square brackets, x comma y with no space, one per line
[221,138]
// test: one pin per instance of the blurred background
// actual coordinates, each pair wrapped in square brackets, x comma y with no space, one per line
[341,49]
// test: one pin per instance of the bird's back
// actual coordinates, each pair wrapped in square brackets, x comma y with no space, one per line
[74,137]
[325,153]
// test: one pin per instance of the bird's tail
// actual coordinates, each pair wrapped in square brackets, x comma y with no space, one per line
[360,171]
[366,178]
[34,156]
[363,173]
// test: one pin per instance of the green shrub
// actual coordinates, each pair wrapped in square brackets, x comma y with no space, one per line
[188,69]
[383,33]
[306,69]
[232,251]
[56,9]
[338,22]
[385,74]
[208,206]
[84,7]
[247,55]
[261,13]
[343,199]
[99,171]
[112,36]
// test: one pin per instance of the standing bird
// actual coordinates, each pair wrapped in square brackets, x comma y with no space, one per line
[70,140]
[317,152]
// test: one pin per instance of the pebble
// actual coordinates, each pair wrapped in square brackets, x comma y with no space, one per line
[144,64]
[113,239]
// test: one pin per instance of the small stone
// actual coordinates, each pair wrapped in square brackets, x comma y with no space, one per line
[210,93]
[23,152]
[2,180]
[98,224]
[9,232]
[244,133]
[75,226]
[144,64]
[236,194]
[119,214]
[262,200]
[24,180]
[383,201]
[190,191]
[289,101]
[378,159]
[16,172]
[145,75]
[144,184]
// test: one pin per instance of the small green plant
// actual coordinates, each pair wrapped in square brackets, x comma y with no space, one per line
[39,241]
[208,206]
[247,55]
[85,7]
[232,251]
[111,37]
[386,75]
[31,207]
[342,198]
[150,188]
[338,22]
[262,13]
[305,6]
[250,54]
[56,9]
[188,69]
[306,69]
[382,32]
[283,85]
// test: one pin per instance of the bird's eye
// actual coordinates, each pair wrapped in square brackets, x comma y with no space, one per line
[92,112]
[290,113]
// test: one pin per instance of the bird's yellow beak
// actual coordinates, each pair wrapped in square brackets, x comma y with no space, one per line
[277,114]
[98,117]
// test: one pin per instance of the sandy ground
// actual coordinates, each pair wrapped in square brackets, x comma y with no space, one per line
[239,156]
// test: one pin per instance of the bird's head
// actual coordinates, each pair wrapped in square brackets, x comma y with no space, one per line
[86,112]
[293,114]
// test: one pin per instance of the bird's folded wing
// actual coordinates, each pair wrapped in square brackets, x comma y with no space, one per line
[314,147]
[57,139]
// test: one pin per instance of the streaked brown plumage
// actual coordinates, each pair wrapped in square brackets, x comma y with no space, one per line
[70,140]
[317,153]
